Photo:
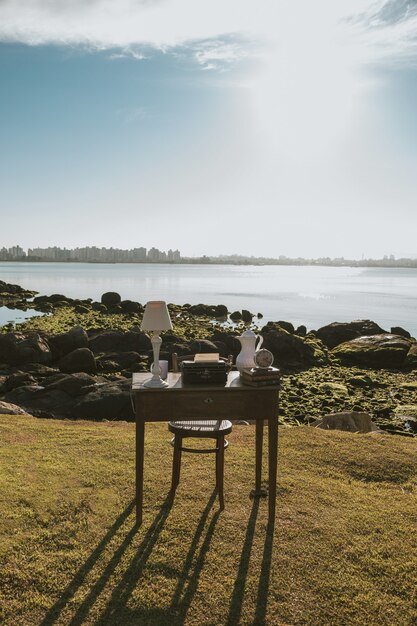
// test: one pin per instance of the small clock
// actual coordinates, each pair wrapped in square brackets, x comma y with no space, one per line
[263,358]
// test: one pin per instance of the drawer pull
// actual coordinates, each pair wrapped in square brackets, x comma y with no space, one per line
[208,401]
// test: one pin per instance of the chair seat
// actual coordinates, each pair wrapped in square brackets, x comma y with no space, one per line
[201,428]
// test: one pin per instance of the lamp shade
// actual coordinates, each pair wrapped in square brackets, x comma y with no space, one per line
[156,316]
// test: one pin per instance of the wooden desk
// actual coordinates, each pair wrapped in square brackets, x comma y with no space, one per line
[231,401]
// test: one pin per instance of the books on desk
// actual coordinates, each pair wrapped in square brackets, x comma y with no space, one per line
[261,377]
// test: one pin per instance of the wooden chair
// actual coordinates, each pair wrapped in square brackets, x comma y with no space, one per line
[211,429]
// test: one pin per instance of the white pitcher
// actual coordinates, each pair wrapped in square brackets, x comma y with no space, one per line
[245,358]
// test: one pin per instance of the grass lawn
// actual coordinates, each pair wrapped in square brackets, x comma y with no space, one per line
[343,550]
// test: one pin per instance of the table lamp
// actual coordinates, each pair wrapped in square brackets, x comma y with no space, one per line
[155,319]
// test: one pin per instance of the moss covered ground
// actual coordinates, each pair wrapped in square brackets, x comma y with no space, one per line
[342,551]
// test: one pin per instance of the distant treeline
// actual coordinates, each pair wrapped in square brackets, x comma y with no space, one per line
[243,260]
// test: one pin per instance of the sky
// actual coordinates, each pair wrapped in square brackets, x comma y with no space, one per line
[260,128]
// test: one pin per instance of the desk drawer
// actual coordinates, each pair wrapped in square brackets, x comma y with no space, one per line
[213,404]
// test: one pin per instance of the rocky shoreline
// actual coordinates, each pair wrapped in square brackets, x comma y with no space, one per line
[76,361]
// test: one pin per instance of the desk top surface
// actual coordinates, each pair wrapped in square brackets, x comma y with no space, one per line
[175,383]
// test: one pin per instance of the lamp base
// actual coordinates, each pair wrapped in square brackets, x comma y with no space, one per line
[155,383]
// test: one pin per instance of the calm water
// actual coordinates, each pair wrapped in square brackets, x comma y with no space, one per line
[313,296]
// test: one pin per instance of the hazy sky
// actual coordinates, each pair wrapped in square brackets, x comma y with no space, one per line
[234,126]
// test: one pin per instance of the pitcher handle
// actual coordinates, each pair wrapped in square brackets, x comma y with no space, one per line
[260,342]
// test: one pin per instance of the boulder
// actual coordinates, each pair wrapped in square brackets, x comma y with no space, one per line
[79,360]
[203,345]
[72,384]
[411,358]
[397,330]
[247,316]
[301,331]
[37,400]
[236,316]
[9,288]
[292,351]
[119,341]
[351,421]
[220,310]
[17,349]
[7,408]
[339,332]
[287,326]
[110,401]
[232,344]
[377,351]
[110,298]
[128,306]
[18,380]
[67,342]
[203,309]
[115,362]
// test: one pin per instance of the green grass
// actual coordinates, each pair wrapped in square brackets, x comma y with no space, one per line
[343,550]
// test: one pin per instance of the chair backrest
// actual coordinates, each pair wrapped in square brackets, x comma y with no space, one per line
[177,360]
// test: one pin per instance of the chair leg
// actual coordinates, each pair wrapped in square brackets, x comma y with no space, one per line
[220,470]
[176,463]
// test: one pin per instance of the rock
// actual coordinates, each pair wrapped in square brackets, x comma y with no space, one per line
[128,306]
[79,360]
[110,298]
[334,388]
[16,349]
[6,408]
[407,413]
[73,384]
[81,308]
[119,341]
[351,421]
[34,398]
[236,316]
[232,344]
[397,330]
[58,297]
[220,310]
[247,316]
[9,288]
[290,350]
[110,401]
[411,358]
[377,351]
[67,342]
[339,332]
[301,331]
[361,381]
[203,309]
[98,306]
[203,345]
[18,380]
[286,326]
[117,361]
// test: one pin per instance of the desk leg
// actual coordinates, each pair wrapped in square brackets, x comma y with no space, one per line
[140,451]
[255,493]
[273,463]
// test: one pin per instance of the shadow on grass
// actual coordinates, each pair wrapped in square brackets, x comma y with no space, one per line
[238,594]
[117,612]
[79,578]
[85,569]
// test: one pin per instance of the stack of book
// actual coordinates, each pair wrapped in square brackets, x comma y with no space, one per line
[260,377]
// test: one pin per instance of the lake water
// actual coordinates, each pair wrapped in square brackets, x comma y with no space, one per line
[313,296]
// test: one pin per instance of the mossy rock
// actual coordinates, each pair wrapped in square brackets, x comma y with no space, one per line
[336,388]
[410,386]
[378,351]
[406,410]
